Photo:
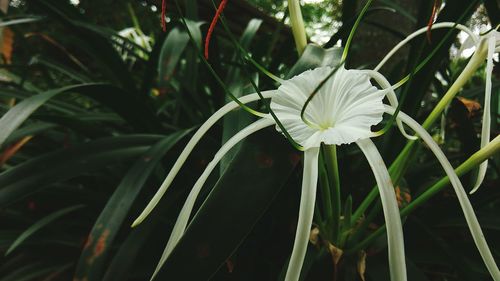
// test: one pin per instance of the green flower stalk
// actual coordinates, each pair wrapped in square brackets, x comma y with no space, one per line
[486,46]
[299,32]
[480,156]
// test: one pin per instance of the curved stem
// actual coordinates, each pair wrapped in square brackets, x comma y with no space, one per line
[471,67]
[245,54]
[353,30]
[491,149]
[212,71]
[402,159]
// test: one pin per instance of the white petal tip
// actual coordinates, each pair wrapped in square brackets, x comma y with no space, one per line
[411,137]
[403,131]
[474,189]
[480,176]
[137,222]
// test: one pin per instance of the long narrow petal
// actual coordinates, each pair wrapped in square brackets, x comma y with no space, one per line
[182,220]
[485,130]
[306,212]
[470,217]
[395,240]
[423,30]
[391,96]
[189,147]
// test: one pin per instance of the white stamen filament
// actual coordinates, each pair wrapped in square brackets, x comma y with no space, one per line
[306,212]
[185,213]
[391,97]
[395,240]
[423,30]
[485,130]
[189,147]
[470,217]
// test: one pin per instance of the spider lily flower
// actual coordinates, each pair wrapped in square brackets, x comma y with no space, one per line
[342,112]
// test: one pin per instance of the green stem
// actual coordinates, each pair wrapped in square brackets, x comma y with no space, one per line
[395,170]
[346,225]
[299,32]
[212,71]
[330,152]
[477,158]
[135,22]
[245,54]
[325,192]
[363,227]
[399,165]
[353,30]
[471,67]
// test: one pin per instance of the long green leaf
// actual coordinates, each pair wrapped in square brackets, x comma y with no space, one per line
[32,129]
[170,54]
[38,172]
[131,108]
[61,68]
[100,49]
[315,56]
[39,225]
[19,113]
[238,85]
[61,106]
[91,265]
[33,272]
[125,103]
[236,203]
[129,256]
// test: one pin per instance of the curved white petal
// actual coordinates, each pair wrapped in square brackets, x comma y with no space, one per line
[391,96]
[306,212]
[185,213]
[467,44]
[470,217]
[343,110]
[486,127]
[395,240]
[189,147]
[423,30]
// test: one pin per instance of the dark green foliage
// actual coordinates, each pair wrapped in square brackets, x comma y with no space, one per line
[93,122]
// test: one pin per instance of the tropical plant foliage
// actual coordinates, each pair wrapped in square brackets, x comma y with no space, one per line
[94,118]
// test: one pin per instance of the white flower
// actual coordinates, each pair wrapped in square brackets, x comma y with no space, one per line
[341,112]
